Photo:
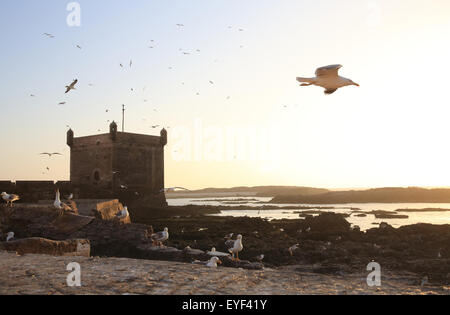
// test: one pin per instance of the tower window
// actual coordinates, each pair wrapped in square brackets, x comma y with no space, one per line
[97,176]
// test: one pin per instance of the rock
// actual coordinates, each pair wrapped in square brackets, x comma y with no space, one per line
[329,223]
[43,246]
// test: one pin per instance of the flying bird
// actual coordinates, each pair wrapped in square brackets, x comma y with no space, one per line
[173,189]
[62,103]
[71,86]
[50,154]
[49,35]
[328,78]
[79,47]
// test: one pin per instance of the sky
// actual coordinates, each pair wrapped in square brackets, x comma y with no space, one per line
[252,124]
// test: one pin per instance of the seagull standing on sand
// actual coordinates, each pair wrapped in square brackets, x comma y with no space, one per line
[235,246]
[328,78]
[161,237]
[71,86]
[10,198]
[10,237]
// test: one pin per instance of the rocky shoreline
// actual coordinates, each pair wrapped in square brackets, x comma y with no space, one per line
[328,245]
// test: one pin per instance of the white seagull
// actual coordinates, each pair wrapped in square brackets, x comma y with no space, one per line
[161,237]
[212,263]
[50,154]
[293,248]
[71,86]
[235,246]
[173,189]
[58,204]
[123,214]
[328,78]
[10,237]
[214,252]
[9,198]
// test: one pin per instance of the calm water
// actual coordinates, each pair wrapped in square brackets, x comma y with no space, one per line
[364,222]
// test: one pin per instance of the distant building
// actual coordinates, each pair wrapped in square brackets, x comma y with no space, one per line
[118,164]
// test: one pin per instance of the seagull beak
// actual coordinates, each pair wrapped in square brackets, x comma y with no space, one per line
[356,84]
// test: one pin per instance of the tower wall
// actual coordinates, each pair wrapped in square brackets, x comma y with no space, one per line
[103,165]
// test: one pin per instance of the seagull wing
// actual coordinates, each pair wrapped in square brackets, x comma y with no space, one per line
[158,236]
[229,244]
[328,71]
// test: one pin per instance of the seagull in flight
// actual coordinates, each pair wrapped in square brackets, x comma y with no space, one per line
[49,35]
[71,86]
[79,47]
[328,78]
[173,189]
[50,154]
[62,103]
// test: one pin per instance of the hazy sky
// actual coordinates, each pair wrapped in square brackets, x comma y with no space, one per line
[254,125]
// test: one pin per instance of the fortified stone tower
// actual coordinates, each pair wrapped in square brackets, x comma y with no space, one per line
[118,164]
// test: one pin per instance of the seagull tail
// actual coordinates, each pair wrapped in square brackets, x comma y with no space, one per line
[307,80]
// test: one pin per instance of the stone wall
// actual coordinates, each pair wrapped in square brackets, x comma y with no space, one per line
[107,237]
[33,191]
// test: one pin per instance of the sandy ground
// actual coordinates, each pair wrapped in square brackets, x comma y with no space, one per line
[39,274]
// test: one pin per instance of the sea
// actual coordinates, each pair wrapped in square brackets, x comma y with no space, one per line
[353,209]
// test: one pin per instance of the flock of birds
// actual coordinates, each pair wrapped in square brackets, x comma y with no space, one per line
[233,246]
